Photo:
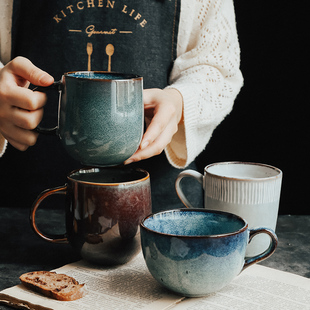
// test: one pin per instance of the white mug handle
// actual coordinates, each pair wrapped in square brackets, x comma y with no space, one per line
[187,173]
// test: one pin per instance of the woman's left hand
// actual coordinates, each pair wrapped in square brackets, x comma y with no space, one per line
[164,110]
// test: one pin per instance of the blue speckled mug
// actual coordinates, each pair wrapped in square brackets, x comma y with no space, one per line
[195,252]
[101,116]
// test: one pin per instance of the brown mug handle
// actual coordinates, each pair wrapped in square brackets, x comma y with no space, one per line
[272,247]
[51,238]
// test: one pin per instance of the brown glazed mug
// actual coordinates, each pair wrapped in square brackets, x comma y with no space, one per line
[104,208]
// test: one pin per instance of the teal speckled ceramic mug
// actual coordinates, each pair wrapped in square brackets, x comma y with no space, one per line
[195,252]
[101,116]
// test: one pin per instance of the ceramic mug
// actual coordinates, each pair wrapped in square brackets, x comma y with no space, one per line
[101,116]
[104,208]
[250,190]
[195,252]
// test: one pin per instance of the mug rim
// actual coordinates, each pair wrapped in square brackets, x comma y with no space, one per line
[278,175]
[203,210]
[127,76]
[96,169]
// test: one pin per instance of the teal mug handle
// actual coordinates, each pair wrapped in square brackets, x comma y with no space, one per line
[55,86]
[272,247]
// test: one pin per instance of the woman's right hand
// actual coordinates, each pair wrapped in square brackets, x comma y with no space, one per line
[21,109]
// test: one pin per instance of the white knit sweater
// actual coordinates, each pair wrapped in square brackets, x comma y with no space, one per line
[206,71]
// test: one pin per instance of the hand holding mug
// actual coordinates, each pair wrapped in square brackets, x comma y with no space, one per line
[21,109]
[163,112]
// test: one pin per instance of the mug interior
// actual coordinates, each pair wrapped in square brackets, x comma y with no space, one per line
[109,175]
[101,75]
[240,170]
[194,222]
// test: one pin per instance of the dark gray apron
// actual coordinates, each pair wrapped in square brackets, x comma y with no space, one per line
[58,36]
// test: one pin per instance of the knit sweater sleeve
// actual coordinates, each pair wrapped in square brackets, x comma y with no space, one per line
[206,73]
[3,141]
[3,145]
[5,46]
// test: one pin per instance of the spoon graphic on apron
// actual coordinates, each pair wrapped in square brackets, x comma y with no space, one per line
[89,50]
[109,51]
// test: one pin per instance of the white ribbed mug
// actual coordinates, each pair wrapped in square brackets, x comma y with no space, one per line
[250,190]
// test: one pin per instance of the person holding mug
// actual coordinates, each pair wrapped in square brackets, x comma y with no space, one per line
[189,62]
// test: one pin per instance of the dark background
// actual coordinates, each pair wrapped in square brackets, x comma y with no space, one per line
[269,122]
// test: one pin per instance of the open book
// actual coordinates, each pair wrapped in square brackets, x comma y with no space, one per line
[131,287]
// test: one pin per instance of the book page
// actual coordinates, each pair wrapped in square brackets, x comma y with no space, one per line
[127,287]
[132,287]
[256,288]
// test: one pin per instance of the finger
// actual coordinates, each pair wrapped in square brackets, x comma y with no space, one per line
[24,68]
[19,137]
[153,149]
[26,119]
[18,146]
[25,98]
[151,96]
[162,120]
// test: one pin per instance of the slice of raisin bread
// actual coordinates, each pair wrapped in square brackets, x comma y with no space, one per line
[51,284]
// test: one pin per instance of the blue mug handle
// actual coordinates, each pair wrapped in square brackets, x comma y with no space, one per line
[55,86]
[272,247]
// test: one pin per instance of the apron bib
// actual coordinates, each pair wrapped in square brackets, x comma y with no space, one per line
[122,36]
[58,36]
